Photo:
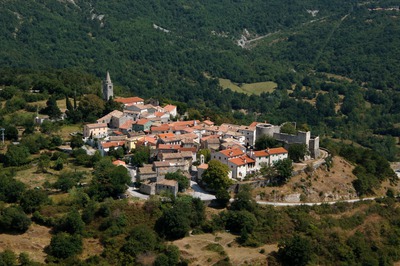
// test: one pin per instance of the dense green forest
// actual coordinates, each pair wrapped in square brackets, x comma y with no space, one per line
[338,74]
[347,38]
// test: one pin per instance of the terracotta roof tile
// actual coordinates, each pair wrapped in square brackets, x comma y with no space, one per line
[142,121]
[242,160]
[166,135]
[278,150]
[110,144]
[129,100]
[232,152]
[169,108]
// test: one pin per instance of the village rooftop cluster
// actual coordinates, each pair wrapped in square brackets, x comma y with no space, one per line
[174,144]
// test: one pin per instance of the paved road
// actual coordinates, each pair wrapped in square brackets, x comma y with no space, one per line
[311,203]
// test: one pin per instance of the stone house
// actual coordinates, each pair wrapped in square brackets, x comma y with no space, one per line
[241,166]
[171,109]
[142,125]
[96,130]
[170,186]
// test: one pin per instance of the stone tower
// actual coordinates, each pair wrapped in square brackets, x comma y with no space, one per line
[108,88]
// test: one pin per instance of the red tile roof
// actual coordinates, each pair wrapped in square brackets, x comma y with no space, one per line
[242,160]
[159,114]
[278,150]
[119,162]
[185,123]
[127,125]
[130,100]
[192,149]
[169,108]
[110,144]
[142,121]
[262,153]
[166,135]
[168,147]
[203,166]
[150,140]
[254,124]
[164,127]
[232,152]
[208,122]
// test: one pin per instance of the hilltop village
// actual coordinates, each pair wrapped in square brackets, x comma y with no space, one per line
[174,145]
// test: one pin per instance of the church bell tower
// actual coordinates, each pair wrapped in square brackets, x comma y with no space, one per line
[108,88]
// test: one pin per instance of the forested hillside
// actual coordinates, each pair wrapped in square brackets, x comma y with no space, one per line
[176,51]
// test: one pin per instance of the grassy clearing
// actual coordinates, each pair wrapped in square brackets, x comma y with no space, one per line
[31,242]
[208,249]
[67,129]
[248,88]
[32,178]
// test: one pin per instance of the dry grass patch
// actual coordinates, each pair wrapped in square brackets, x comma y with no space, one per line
[208,249]
[249,88]
[91,247]
[320,185]
[68,129]
[31,242]
[32,178]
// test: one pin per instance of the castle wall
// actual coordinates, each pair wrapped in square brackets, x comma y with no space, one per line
[266,129]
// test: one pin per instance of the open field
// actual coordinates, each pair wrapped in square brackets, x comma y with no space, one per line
[196,248]
[32,178]
[248,88]
[31,242]
[67,129]
[60,103]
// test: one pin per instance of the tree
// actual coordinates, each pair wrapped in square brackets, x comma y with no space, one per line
[76,142]
[169,257]
[16,155]
[284,170]
[183,181]
[11,133]
[43,163]
[109,180]
[244,200]
[92,106]
[48,127]
[296,251]
[14,219]
[68,180]
[112,105]
[297,152]
[59,164]
[8,258]
[223,197]
[32,199]
[141,239]
[288,128]
[64,245]
[216,176]
[173,224]
[239,221]
[140,156]
[117,153]
[52,109]
[10,188]
[265,141]
[71,223]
